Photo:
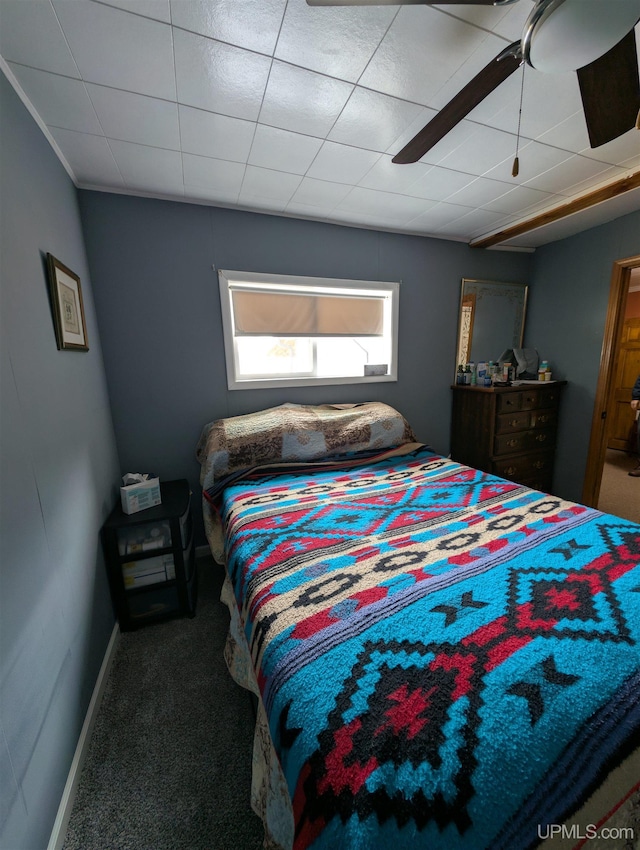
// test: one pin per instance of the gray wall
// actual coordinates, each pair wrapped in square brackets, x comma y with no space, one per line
[159,313]
[58,470]
[565,322]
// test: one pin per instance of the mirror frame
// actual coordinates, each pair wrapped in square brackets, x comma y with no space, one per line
[517,291]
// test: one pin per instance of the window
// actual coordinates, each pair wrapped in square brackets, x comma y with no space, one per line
[281,330]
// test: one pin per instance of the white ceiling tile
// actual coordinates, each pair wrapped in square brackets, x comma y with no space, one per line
[320,193]
[547,100]
[307,211]
[534,159]
[481,151]
[338,41]
[421,120]
[157,9]
[224,176]
[303,101]
[253,24]
[566,174]
[479,192]
[375,221]
[371,202]
[30,34]
[208,134]
[479,57]
[256,203]
[115,48]
[373,120]
[507,21]
[264,183]
[600,178]
[283,150]
[421,51]
[476,221]
[618,151]
[570,134]
[438,183]
[517,200]
[90,158]
[136,117]
[211,195]
[149,169]
[387,176]
[632,163]
[439,214]
[59,101]
[218,77]
[454,139]
[341,163]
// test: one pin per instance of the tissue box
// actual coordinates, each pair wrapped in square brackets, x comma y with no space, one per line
[137,497]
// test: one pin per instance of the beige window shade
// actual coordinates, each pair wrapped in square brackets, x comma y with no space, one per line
[287,314]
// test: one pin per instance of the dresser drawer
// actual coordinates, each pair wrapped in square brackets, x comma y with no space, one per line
[545,418]
[522,467]
[521,420]
[509,401]
[524,441]
[528,399]
[518,420]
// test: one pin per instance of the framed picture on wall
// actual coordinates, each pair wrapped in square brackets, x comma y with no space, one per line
[68,310]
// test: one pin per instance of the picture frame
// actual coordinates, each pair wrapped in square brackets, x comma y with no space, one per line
[67,306]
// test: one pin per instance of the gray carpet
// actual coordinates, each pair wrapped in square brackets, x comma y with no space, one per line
[170,757]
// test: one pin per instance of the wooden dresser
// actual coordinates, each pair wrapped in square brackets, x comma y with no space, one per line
[509,431]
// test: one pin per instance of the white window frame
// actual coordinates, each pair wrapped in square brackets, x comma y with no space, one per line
[227,278]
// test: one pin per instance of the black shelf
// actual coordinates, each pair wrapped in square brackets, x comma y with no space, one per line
[174,596]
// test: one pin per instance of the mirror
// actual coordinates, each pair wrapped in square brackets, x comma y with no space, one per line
[491,319]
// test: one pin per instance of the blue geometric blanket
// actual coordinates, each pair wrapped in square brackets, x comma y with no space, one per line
[447,660]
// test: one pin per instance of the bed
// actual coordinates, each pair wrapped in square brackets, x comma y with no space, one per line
[442,659]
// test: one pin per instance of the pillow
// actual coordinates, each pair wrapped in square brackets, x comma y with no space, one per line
[294,432]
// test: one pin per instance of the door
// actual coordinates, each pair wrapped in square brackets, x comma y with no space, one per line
[620,280]
[621,417]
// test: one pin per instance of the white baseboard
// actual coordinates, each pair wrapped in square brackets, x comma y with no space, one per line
[59,830]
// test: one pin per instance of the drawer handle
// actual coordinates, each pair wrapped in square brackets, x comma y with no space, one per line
[511,470]
[541,438]
[539,464]
[508,402]
[512,443]
[513,423]
[542,418]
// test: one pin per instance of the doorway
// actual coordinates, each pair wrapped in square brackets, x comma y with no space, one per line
[609,443]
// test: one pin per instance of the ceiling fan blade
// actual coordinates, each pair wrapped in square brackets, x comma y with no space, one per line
[403,2]
[470,96]
[610,90]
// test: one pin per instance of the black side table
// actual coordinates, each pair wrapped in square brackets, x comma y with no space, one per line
[150,559]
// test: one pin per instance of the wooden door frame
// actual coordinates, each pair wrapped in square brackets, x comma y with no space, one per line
[604,390]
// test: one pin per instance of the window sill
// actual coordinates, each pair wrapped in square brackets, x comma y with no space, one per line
[274,383]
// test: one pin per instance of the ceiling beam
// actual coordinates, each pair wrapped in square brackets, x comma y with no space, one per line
[583,202]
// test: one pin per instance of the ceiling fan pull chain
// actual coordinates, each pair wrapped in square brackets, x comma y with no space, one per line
[516,162]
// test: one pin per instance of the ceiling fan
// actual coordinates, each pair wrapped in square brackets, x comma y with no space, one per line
[593,37]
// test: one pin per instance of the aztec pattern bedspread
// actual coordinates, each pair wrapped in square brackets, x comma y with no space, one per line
[447,660]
